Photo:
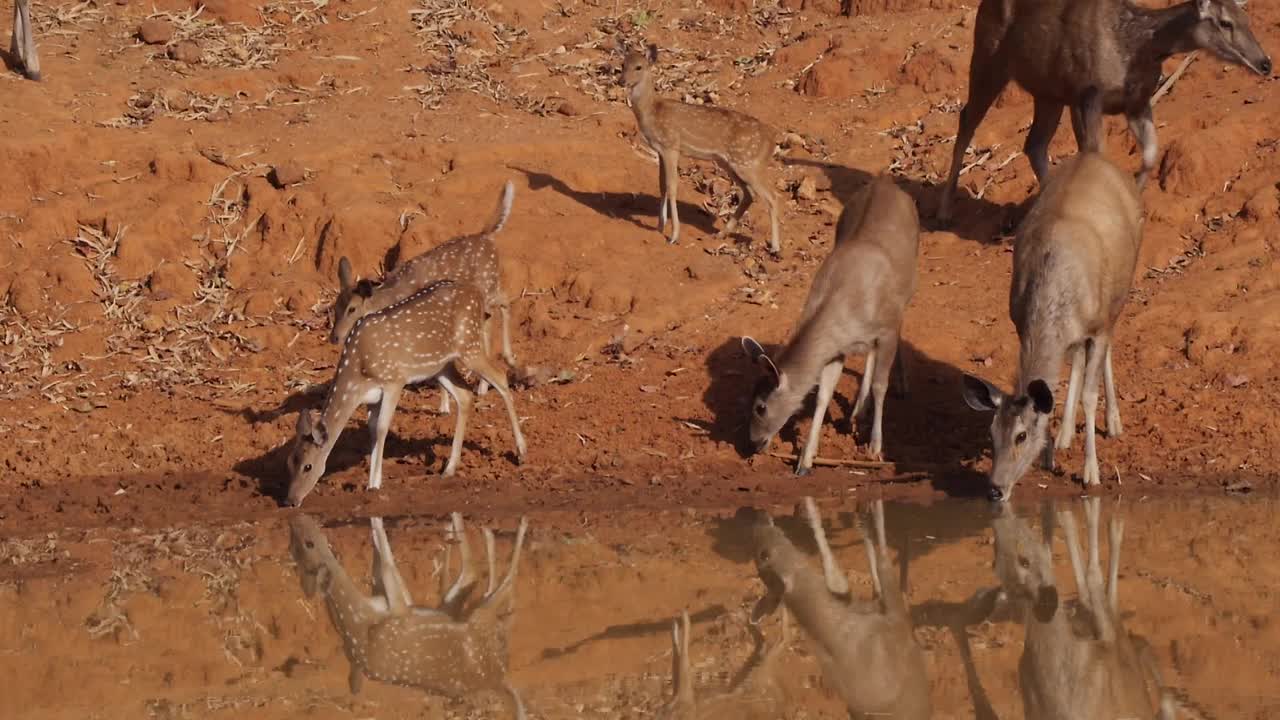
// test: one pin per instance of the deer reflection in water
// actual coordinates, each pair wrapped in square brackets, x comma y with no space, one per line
[456,649]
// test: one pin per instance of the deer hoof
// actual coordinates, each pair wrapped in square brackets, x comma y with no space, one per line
[801,470]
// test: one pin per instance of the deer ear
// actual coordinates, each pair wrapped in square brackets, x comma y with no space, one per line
[344,273]
[1041,396]
[981,395]
[364,288]
[652,53]
[757,354]
[304,423]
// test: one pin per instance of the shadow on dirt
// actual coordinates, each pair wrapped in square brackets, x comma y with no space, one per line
[639,209]
[644,628]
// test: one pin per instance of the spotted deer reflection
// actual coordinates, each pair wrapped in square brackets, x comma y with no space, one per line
[866,648]
[456,649]
[1077,663]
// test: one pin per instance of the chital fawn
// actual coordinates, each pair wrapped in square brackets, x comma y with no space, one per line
[855,305]
[1058,49]
[471,258]
[741,144]
[22,48]
[866,648]
[1073,262]
[457,649]
[756,693]
[416,339]
[1081,666]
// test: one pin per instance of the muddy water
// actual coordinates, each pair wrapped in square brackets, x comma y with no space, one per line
[216,621]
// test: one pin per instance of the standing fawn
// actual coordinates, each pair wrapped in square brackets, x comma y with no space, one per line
[414,340]
[455,650]
[741,144]
[855,305]
[22,48]
[866,648]
[470,258]
[1058,49]
[756,694]
[1086,666]
[1073,262]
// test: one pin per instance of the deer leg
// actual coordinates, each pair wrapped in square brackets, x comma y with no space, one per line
[732,224]
[387,581]
[504,310]
[1067,431]
[670,171]
[1094,355]
[504,588]
[987,78]
[827,380]
[1047,117]
[662,187]
[836,581]
[451,601]
[23,45]
[484,367]
[1067,519]
[762,191]
[379,424]
[490,558]
[517,705]
[462,396]
[1143,128]
[1114,426]
[1116,529]
[444,401]
[879,387]
[864,386]
[1099,604]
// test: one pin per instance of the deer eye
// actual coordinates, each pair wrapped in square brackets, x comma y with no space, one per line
[760,409]
[1021,438]
[306,468]
[1226,25]
[310,545]
[351,310]
[1025,563]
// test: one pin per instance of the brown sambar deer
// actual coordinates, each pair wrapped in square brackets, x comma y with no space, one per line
[1058,49]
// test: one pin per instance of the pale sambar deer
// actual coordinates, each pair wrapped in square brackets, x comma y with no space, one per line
[1081,665]
[739,143]
[22,47]
[855,305]
[1058,49]
[866,648]
[755,693]
[1073,263]
[456,649]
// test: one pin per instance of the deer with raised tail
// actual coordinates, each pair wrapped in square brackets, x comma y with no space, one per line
[855,305]
[417,339]
[456,649]
[1073,261]
[739,143]
[1056,50]
[866,648]
[22,47]
[470,258]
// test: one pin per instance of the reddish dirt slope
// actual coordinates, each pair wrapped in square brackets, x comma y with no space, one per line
[165,304]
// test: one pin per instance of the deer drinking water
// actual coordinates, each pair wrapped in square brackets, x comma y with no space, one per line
[416,339]
[1073,262]
[470,258]
[855,305]
[456,649]
[1058,49]
[866,648]
[1086,666]
[756,693]
[741,144]
[22,47]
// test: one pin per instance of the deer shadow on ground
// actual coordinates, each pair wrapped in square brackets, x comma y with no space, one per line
[637,208]
[930,430]
[643,628]
[975,219]
[431,443]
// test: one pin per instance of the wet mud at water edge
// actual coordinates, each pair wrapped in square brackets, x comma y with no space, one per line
[571,614]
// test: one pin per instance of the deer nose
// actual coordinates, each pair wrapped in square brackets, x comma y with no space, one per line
[995,494]
[1265,66]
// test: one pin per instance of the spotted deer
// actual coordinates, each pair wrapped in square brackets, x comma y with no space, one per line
[457,650]
[470,258]
[855,305]
[1057,50]
[1073,261]
[739,143]
[755,694]
[22,48]
[866,648]
[1081,665]
[416,339]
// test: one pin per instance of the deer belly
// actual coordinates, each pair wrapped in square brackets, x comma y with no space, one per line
[371,396]
[440,657]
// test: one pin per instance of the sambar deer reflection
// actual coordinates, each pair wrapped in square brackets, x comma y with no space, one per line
[456,649]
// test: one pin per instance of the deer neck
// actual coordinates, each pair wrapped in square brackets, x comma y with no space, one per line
[805,356]
[339,404]
[1039,359]
[1155,34]
[644,103]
